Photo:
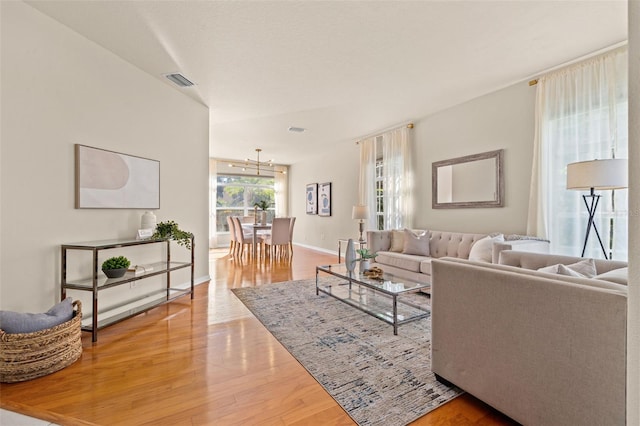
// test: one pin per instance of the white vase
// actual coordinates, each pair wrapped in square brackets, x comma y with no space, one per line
[263,217]
[148,221]
[350,256]
[364,265]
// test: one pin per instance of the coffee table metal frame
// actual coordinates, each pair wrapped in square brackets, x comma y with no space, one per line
[390,285]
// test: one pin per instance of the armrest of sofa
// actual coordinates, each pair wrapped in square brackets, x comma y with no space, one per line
[378,241]
[527,245]
[531,346]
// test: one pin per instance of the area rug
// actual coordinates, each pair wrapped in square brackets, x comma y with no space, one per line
[378,378]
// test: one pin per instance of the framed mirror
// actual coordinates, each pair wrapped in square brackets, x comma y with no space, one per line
[467,182]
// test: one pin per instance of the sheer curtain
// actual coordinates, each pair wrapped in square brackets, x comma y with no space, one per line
[581,114]
[398,179]
[366,192]
[397,200]
[281,189]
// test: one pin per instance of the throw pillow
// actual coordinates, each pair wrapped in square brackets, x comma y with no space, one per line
[586,267]
[565,270]
[397,241]
[16,322]
[482,250]
[416,243]
[553,269]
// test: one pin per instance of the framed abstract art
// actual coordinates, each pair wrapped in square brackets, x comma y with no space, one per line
[311,198]
[324,199]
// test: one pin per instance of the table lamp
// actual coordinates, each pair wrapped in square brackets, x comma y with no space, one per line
[592,175]
[360,213]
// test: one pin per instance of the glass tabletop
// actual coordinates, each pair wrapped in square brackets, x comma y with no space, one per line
[389,283]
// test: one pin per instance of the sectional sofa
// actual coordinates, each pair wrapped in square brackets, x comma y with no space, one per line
[542,347]
[408,253]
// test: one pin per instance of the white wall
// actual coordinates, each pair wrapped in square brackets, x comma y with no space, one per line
[340,166]
[499,120]
[59,89]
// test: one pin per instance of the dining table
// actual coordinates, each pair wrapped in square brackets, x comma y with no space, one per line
[254,228]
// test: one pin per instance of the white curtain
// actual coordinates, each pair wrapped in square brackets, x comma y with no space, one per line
[398,179]
[281,189]
[367,196]
[581,114]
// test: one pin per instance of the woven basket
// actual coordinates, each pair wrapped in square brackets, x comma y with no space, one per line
[25,356]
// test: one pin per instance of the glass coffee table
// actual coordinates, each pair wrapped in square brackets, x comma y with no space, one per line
[392,299]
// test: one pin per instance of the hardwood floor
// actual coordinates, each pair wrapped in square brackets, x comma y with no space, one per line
[202,362]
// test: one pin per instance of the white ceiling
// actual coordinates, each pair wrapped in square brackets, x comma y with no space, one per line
[339,69]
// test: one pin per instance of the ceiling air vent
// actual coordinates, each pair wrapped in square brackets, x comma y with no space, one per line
[297,129]
[179,80]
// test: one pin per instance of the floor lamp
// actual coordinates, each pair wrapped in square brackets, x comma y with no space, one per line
[592,175]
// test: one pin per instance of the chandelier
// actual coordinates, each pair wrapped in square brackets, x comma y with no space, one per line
[257,165]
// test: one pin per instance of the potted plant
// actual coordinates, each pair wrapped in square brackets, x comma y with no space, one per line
[115,267]
[169,230]
[365,255]
[263,205]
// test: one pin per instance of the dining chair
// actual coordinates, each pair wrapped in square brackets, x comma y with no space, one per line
[276,242]
[232,236]
[293,222]
[242,238]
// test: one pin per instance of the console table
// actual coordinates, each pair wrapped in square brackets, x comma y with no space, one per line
[98,281]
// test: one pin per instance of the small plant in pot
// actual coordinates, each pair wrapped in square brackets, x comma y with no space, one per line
[115,267]
[264,206]
[365,256]
[169,230]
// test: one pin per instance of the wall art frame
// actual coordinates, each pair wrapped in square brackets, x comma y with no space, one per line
[112,180]
[324,199]
[311,198]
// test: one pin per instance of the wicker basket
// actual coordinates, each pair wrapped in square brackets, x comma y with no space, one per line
[26,356]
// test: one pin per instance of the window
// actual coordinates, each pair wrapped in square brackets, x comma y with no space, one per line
[379,194]
[583,115]
[236,196]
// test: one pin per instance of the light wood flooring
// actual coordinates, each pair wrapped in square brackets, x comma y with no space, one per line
[202,362]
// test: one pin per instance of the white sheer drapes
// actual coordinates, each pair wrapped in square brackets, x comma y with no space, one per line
[367,196]
[581,114]
[396,202]
[281,189]
[398,180]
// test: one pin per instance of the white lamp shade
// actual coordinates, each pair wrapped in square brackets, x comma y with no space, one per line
[598,174]
[360,212]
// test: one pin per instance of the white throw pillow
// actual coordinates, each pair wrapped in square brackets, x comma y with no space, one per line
[397,241]
[416,243]
[482,250]
[565,270]
[553,269]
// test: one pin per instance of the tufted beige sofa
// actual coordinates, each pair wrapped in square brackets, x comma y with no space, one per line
[543,348]
[441,244]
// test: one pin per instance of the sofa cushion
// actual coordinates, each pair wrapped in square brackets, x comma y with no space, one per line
[397,241]
[416,243]
[17,322]
[482,250]
[399,260]
[425,266]
[618,276]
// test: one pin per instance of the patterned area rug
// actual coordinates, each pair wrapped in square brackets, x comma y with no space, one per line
[378,378]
